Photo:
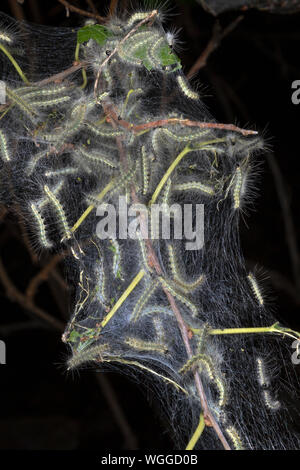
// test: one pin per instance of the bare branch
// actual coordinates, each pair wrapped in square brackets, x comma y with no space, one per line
[217,36]
[68,5]
[16,296]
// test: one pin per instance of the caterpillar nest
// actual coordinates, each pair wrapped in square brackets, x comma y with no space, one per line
[126,130]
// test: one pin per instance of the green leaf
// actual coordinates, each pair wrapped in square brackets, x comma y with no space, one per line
[99,33]
[74,336]
[142,54]
[167,57]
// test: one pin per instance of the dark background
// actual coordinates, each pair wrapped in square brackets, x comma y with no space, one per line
[247,80]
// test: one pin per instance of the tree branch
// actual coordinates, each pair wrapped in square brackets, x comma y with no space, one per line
[68,5]
[16,296]
[217,36]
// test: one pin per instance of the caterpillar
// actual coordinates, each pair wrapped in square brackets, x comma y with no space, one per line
[4,152]
[41,227]
[263,379]
[255,289]
[186,90]
[60,212]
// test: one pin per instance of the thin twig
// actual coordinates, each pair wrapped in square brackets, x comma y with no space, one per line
[42,275]
[112,7]
[68,5]
[217,36]
[62,300]
[92,6]
[113,114]
[17,10]
[15,295]
[58,278]
[187,122]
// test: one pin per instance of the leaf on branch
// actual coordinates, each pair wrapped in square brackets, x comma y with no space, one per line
[99,33]
[168,57]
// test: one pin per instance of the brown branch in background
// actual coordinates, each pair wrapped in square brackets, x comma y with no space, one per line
[42,275]
[16,10]
[58,278]
[16,296]
[92,6]
[68,5]
[217,36]
[60,293]
[112,7]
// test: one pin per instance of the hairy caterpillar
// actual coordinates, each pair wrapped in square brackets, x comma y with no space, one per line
[256,290]
[60,211]
[4,147]
[42,228]
[263,379]
[186,90]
